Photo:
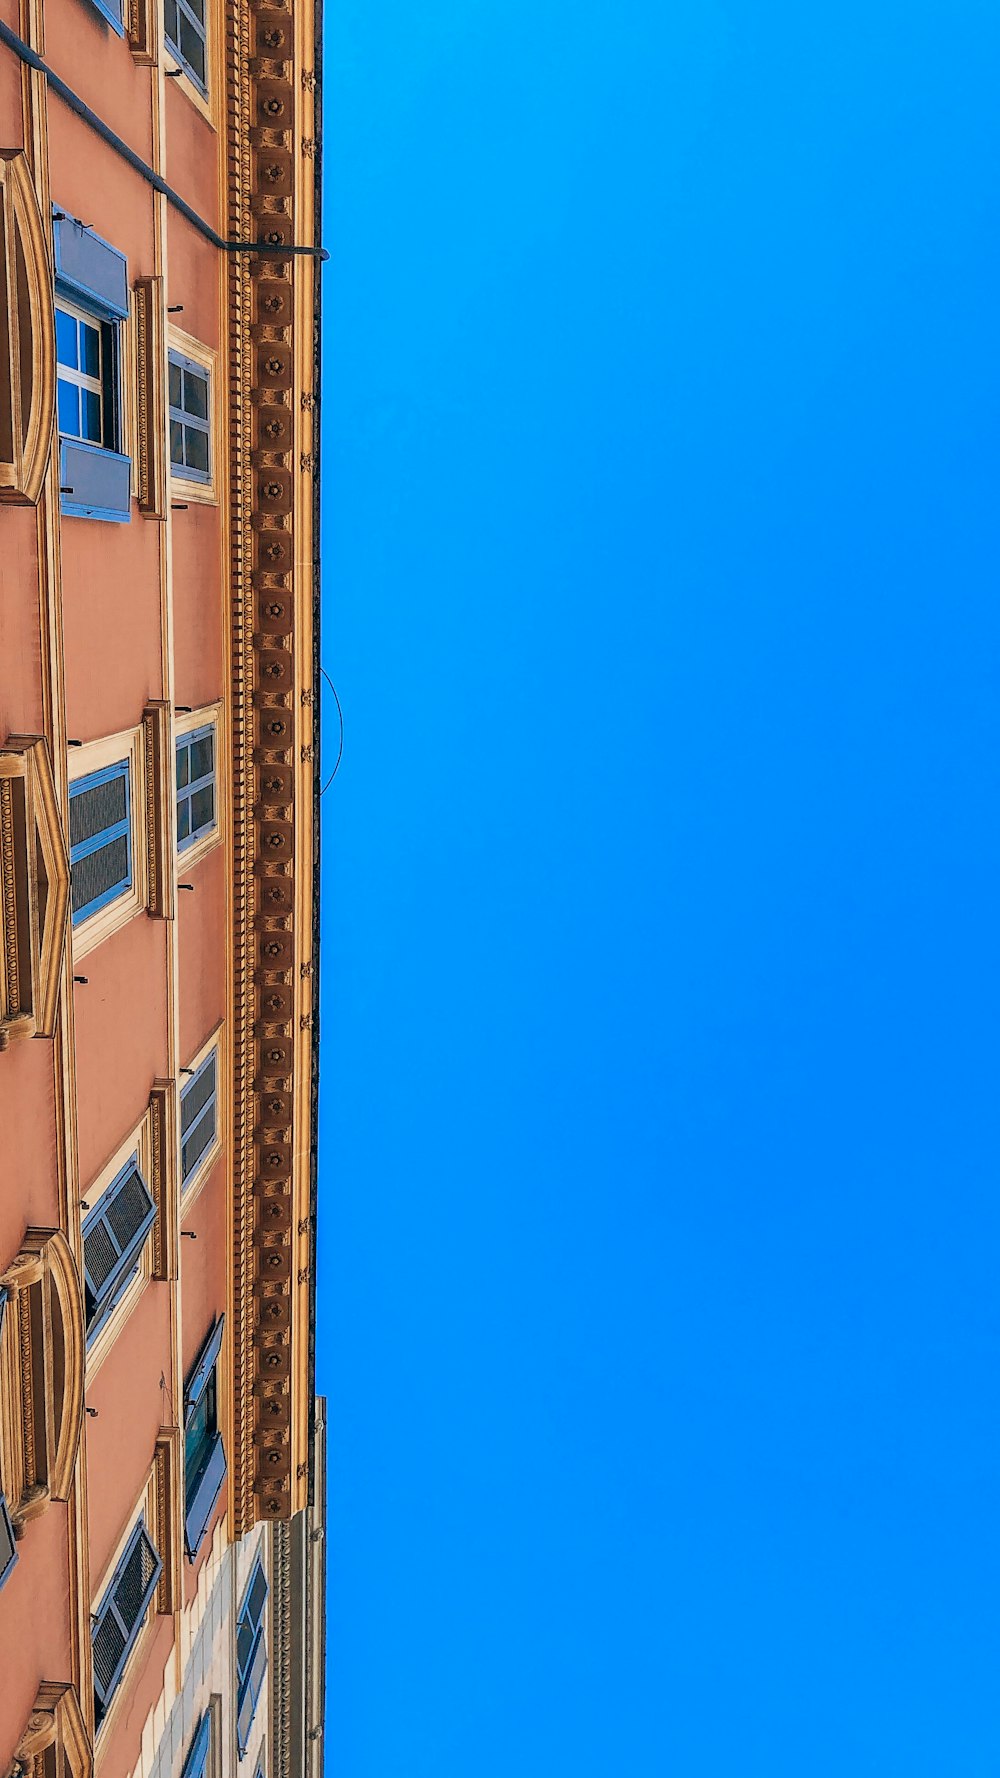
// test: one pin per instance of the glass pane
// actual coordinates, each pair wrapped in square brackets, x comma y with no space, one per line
[101,874]
[91,344]
[171,28]
[175,384]
[203,808]
[69,409]
[196,395]
[97,807]
[201,757]
[198,1143]
[197,1441]
[66,349]
[177,443]
[183,820]
[183,756]
[92,427]
[197,450]
[192,49]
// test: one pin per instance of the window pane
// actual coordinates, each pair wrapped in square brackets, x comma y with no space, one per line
[203,808]
[202,751]
[197,7]
[197,450]
[183,820]
[175,384]
[198,1143]
[91,342]
[177,443]
[98,807]
[183,756]
[196,395]
[196,1096]
[100,874]
[66,348]
[69,409]
[192,49]
[92,428]
[171,28]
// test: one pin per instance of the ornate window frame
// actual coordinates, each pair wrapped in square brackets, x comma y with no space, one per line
[146,748]
[34,891]
[42,1370]
[27,334]
[154,1141]
[56,1721]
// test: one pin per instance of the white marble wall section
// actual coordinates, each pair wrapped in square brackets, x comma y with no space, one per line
[202,1666]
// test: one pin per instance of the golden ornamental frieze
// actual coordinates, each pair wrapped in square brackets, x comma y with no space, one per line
[267,404]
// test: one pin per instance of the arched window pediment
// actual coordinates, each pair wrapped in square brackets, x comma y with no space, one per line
[27,335]
[34,891]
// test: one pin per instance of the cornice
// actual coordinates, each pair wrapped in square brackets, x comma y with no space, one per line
[271,398]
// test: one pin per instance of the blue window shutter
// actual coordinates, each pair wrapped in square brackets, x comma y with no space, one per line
[100,836]
[203,1502]
[121,1614]
[96,484]
[8,1545]
[196,1764]
[251,1655]
[114,1235]
[88,268]
[208,1357]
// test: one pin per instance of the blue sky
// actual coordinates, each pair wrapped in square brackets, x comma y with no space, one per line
[659,1315]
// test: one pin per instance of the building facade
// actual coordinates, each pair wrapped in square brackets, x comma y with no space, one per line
[159,1454]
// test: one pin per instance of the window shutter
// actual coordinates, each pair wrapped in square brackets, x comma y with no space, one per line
[122,1613]
[100,836]
[206,1494]
[208,1358]
[88,268]
[99,482]
[198,1102]
[113,1238]
[196,1764]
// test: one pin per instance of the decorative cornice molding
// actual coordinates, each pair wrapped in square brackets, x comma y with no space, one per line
[271,817]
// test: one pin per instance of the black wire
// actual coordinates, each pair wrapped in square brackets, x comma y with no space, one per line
[340,750]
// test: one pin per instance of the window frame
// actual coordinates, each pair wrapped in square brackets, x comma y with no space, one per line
[138,1531]
[127,1270]
[118,830]
[201,27]
[196,1765]
[192,354]
[190,1187]
[103,385]
[107,309]
[194,847]
[139,1142]
[201,1493]
[87,762]
[245,1674]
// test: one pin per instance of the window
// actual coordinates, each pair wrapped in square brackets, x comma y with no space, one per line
[34,890]
[85,389]
[199,1116]
[121,1614]
[204,1457]
[114,1235]
[100,834]
[195,786]
[251,1655]
[196,1765]
[91,305]
[8,1547]
[190,422]
[184,28]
